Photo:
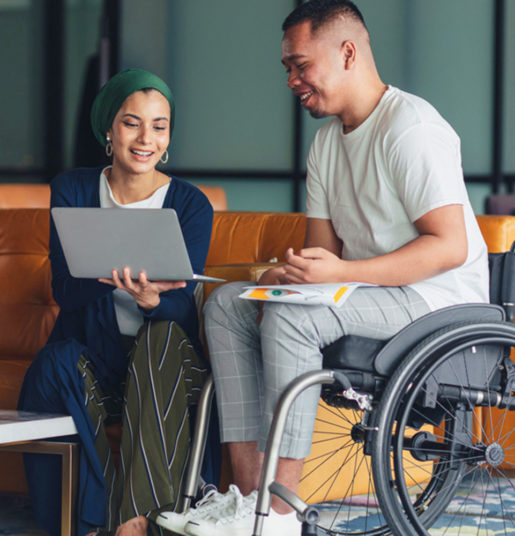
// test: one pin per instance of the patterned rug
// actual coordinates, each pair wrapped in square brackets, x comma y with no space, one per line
[478,513]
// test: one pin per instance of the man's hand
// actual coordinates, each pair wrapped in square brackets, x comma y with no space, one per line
[145,292]
[274,276]
[313,265]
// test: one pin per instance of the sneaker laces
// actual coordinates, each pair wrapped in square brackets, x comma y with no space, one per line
[214,500]
[242,508]
[211,498]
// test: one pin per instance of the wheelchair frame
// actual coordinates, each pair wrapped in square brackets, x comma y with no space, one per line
[418,362]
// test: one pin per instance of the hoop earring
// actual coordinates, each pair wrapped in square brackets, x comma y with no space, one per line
[109,146]
[164,158]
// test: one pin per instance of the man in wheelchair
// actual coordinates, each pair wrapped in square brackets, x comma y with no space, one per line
[387,206]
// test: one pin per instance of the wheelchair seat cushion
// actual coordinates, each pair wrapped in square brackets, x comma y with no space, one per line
[352,352]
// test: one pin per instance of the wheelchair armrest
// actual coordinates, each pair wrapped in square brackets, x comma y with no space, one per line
[398,346]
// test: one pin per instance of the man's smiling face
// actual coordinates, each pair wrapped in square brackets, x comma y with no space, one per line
[316,69]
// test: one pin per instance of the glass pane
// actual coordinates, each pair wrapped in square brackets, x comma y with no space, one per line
[82,34]
[509,115]
[233,107]
[22,89]
[261,194]
[451,65]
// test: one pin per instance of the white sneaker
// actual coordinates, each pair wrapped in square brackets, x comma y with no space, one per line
[240,522]
[211,502]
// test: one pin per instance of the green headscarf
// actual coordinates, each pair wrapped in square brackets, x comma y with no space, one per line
[111,97]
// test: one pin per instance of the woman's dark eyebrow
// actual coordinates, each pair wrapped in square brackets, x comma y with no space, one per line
[134,116]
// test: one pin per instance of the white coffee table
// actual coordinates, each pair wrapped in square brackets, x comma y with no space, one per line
[22,431]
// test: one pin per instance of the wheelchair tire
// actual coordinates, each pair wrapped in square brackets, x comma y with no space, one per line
[441,384]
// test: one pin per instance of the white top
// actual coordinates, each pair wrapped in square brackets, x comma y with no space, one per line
[376,181]
[128,315]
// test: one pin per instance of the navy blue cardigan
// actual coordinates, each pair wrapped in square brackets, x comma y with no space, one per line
[86,306]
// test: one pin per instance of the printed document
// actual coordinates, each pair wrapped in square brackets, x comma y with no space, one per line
[333,294]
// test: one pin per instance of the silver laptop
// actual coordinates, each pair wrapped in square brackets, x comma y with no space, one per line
[97,240]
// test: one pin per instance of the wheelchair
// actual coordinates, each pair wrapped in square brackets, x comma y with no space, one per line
[423,423]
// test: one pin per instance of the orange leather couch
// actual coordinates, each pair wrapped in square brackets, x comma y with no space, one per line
[242,245]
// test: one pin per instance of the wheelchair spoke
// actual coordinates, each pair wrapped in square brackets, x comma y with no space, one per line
[339,457]
[342,416]
[506,436]
[501,500]
[331,477]
[326,458]
[504,475]
[323,421]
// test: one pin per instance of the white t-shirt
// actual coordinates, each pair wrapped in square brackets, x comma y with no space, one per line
[128,315]
[376,181]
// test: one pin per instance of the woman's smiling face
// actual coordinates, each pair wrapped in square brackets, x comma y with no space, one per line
[140,132]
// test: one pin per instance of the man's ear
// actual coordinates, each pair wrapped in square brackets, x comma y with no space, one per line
[348,51]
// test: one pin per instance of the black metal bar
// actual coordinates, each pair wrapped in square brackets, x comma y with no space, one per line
[231,173]
[497,137]
[54,85]
[27,175]
[298,173]
[109,41]
[487,178]
[298,165]
[116,16]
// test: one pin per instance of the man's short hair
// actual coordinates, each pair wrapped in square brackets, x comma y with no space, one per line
[320,12]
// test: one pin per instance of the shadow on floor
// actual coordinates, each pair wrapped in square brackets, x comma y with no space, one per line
[16,516]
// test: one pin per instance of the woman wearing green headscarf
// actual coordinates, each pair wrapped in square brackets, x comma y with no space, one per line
[122,350]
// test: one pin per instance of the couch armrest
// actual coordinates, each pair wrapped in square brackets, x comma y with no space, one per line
[216,195]
[498,231]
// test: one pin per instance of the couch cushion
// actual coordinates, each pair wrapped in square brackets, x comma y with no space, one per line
[27,309]
[244,237]
[280,232]
[235,237]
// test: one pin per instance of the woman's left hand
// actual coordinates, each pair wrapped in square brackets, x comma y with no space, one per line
[145,292]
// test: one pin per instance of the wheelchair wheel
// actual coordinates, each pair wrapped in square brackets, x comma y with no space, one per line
[460,382]
[346,487]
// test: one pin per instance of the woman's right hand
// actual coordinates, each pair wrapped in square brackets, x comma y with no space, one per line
[145,292]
